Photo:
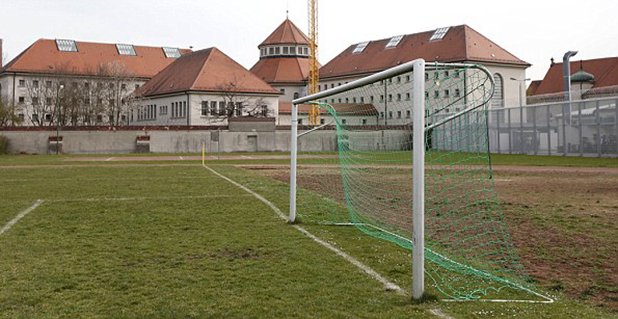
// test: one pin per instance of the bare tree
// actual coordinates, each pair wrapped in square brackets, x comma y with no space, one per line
[7,113]
[237,104]
[114,98]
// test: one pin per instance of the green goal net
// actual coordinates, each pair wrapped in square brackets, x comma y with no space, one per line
[469,254]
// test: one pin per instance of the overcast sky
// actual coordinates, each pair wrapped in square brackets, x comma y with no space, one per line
[534,31]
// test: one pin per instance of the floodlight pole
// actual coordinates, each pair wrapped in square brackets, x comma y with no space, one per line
[418,181]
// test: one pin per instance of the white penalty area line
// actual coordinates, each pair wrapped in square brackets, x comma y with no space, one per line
[21,215]
[388,285]
[121,199]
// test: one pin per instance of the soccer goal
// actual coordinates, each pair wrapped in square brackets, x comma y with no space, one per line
[414,169]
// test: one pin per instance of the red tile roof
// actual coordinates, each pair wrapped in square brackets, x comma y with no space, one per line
[286,33]
[44,57]
[341,109]
[461,43]
[205,70]
[282,70]
[605,72]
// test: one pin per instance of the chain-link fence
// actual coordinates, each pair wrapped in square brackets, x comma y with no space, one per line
[578,128]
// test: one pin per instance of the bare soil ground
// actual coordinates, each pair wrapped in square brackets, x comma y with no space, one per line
[563,222]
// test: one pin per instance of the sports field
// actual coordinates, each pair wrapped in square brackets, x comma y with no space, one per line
[164,237]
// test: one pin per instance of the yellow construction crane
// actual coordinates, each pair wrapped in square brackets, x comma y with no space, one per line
[314,76]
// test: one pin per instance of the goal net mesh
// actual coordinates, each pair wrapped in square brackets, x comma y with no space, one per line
[469,253]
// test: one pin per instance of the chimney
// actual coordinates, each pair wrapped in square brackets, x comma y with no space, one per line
[552,62]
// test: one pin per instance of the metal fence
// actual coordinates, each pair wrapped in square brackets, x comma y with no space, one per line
[579,128]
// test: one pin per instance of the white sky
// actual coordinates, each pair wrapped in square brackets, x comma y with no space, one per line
[534,31]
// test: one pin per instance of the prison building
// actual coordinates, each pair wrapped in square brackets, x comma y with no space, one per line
[205,87]
[91,82]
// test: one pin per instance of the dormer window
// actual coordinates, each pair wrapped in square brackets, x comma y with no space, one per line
[439,34]
[360,47]
[66,45]
[125,49]
[394,41]
[171,52]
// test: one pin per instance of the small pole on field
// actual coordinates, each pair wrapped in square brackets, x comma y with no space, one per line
[203,152]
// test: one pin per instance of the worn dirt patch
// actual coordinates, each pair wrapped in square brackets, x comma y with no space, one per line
[563,222]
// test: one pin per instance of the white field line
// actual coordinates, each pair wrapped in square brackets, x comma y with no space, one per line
[388,285]
[439,313]
[120,199]
[109,159]
[20,216]
[181,158]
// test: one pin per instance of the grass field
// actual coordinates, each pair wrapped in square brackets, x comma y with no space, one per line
[170,239]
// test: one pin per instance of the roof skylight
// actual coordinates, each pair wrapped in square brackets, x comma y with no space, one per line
[360,47]
[171,52]
[125,49]
[439,34]
[394,41]
[66,45]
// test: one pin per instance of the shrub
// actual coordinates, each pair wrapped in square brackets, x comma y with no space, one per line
[4,144]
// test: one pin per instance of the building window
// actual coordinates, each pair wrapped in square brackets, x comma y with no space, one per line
[292,50]
[35,117]
[498,99]
[271,51]
[48,117]
[35,100]
[300,121]
[277,50]
[123,86]
[136,86]
[286,50]
[22,83]
[426,76]
[382,114]
[362,99]
[390,114]
[282,91]
[264,110]
[426,94]
[204,108]
[436,94]
[407,78]
[371,99]
[48,84]
[21,117]
[457,93]
[407,96]
[390,97]
[48,101]
[398,114]
[322,121]
[408,114]
[344,121]
[35,83]
[447,93]
[87,85]
[222,110]
[21,100]
[398,97]
[381,98]
[213,108]
[364,121]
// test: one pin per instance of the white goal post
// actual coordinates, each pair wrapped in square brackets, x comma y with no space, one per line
[417,67]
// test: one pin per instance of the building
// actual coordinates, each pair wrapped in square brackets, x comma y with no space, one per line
[205,87]
[351,114]
[589,79]
[457,44]
[79,83]
[284,61]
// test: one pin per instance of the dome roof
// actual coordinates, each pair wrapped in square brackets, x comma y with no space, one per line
[582,76]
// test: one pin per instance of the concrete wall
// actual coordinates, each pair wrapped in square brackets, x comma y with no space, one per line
[93,142]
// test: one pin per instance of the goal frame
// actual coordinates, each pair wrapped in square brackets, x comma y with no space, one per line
[418,157]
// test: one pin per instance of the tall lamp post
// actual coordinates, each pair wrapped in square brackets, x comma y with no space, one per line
[58,117]
[521,114]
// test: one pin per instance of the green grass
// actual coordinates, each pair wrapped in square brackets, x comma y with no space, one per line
[176,241]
